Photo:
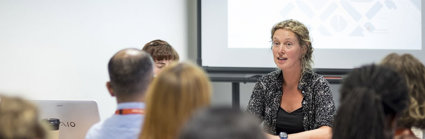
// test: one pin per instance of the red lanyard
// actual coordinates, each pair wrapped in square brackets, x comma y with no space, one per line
[129,111]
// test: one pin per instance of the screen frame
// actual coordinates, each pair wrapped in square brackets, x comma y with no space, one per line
[265,70]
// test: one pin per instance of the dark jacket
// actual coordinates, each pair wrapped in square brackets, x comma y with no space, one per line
[317,105]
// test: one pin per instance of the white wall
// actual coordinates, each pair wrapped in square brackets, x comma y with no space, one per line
[52,49]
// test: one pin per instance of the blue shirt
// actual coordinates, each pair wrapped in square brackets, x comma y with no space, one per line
[119,126]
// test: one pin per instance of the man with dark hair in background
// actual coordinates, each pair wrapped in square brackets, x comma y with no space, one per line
[162,54]
[130,72]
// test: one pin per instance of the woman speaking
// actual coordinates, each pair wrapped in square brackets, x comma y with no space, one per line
[293,99]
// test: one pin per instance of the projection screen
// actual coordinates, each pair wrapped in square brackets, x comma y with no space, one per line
[345,33]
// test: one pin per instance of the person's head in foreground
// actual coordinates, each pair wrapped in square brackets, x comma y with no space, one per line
[178,91]
[162,53]
[130,72]
[372,97]
[19,119]
[414,72]
[222,123]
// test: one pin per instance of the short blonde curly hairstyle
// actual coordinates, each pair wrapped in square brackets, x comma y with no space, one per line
[303,37]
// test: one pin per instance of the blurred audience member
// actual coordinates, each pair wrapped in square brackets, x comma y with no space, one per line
[173,96]
[372,97]
[412,120]
[162,53]
[130,72]
[222,123]
[19,119]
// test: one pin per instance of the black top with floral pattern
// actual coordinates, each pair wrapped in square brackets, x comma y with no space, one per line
[318,105]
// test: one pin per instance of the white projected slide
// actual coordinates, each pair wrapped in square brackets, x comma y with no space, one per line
[333,24]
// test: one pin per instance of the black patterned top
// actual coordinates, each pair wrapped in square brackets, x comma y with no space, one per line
[318,105]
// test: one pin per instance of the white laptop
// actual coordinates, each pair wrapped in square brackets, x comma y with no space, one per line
[76,117]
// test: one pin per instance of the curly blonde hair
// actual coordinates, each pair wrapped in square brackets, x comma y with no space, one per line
[303,37]
[19,119]
[414,73]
